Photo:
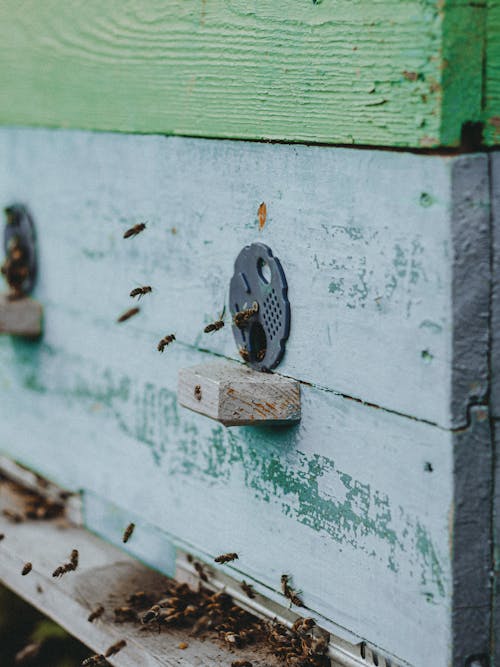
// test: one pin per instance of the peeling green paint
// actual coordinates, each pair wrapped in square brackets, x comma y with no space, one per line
[310,489]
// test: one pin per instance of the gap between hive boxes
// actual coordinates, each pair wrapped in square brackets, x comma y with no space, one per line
[107,574]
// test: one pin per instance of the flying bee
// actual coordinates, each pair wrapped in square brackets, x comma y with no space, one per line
[115,648]
[242,317]
[141,291]
[248,589]
[128,532]
[26,569]
[97,613]
[128,314]
[136,229]
[226,558]
[215,326]
[165,341]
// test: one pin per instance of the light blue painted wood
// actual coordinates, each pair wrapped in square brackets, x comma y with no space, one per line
[369,241]
[147,543]
[343,501]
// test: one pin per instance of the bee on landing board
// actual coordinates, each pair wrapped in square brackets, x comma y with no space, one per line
[133,231]
[248,589]
[128,314]
[26,569]
[215,326]
[97,613]
[226,558]
[165,341]
[141,291]
[115,648]
[128,532]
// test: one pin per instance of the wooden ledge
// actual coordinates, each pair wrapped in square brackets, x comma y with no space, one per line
[236,395]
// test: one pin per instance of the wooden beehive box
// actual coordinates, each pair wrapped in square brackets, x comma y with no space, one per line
[382,502]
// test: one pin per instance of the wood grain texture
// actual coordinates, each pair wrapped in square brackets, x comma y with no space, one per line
[379,73]
[235,395]
[384,305]
[20,317]
[105,576]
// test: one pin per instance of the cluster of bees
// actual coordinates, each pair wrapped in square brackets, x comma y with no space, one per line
[241,319]
[204,612]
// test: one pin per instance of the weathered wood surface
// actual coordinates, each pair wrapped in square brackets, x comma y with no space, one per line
[384,305]
[236,395]
[20,317]
[495,311]
[105,576]
[349,491]
[386,73]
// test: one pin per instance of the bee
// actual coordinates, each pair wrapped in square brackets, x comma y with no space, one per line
[165,341]
[74,558]
[136,229]
[303,625]
[151,614]
[183,646]
[115,648]
[128,314]
[200,570]
[244,353]
[289,592]
[197,392]
[242,317]
[2,536]
[226,558]
[94,661]
[140,291]
[215,326]
[97,613]
[261,354]
[232,638]
[26,569]
[59,571]
[128,532]
[12,515]
[248,589]
[241,663]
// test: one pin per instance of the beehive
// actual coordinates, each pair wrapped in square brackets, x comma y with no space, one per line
[382,502]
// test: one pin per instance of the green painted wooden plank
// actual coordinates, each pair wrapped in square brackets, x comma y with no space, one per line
[390,72]
[492,82]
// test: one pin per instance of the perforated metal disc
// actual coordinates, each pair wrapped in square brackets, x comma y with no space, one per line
[259,279]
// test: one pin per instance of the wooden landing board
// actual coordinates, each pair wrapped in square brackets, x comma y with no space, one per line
[105,576]
[386,254]
[380,73]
